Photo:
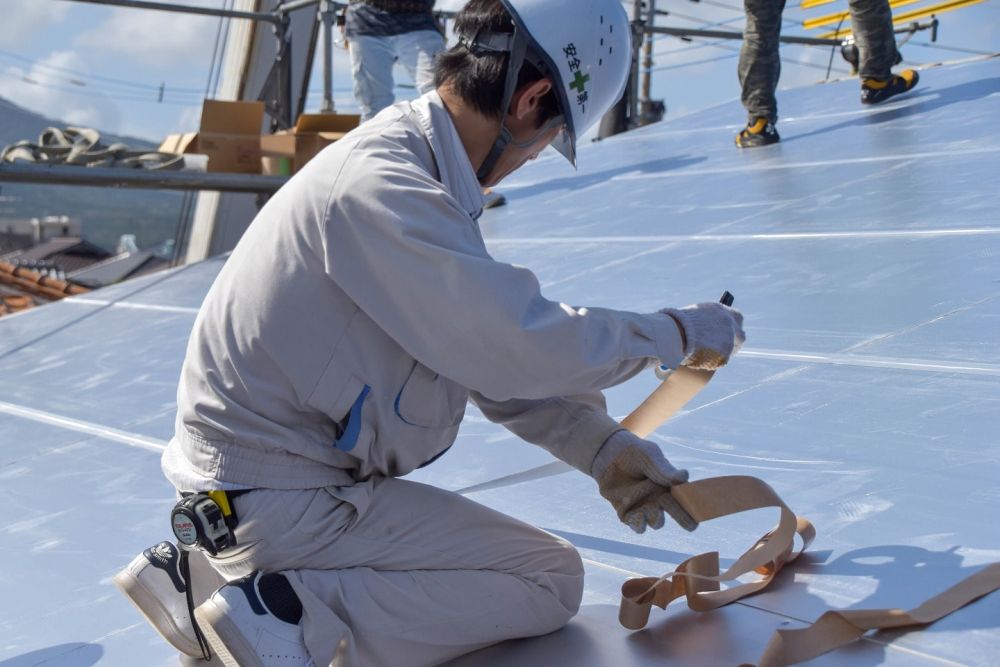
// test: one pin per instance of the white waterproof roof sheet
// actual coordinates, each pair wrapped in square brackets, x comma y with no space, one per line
[863,251]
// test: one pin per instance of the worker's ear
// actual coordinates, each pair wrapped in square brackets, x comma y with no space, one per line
[529,98]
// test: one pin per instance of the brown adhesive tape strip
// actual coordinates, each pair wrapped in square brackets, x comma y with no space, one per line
[672,394]
[698,579]
[837,628]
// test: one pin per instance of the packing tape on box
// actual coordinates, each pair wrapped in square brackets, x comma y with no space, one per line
[699,580]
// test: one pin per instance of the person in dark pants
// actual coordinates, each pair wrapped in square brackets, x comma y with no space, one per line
[760,63]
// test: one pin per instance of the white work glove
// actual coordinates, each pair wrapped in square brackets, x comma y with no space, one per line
[635,477]
[712,333]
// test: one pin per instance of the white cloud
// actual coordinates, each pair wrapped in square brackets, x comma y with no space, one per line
[154,38]
[186,119]
[86,116]
[23,20]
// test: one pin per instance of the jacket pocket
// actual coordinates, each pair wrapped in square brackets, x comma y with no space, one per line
[351,427]
[336,390]
[429,400]
[345,399]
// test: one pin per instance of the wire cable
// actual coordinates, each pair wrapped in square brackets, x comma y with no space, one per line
[702,25]
[734,8]
[222,50]
[91,93]
[833,49]
[185,214]
[96,77]
[692,63]
[215,52]
[957,49]
[736,50]
[722,5]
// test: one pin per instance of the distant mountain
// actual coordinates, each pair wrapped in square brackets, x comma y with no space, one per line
[17,124]
[107,213]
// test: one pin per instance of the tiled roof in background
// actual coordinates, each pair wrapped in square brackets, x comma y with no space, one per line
[67,253]
[22,288]
[14,300]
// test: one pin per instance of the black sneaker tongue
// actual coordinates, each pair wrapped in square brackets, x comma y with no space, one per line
[164,556]
[280,598]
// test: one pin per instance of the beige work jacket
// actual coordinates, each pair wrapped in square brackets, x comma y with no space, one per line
[346,332]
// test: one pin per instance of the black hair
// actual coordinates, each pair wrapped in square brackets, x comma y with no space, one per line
[479,79]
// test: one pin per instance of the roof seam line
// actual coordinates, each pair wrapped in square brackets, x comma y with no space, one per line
[80,426]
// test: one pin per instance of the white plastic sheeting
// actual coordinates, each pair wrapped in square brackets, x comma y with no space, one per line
[863,251]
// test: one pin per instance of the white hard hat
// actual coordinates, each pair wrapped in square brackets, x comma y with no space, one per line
[587,48]
[584,46]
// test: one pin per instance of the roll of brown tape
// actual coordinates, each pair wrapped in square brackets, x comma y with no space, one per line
[699,580]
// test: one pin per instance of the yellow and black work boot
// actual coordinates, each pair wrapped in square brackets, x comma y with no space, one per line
[759,133]
[874,91]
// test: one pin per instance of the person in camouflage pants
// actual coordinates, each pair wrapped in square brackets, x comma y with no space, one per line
[760,62]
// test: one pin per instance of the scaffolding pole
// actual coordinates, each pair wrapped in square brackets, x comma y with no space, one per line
[186,9]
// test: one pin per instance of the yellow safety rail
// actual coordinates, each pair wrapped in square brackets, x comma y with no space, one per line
[912,15]
[808,4]
[837,17]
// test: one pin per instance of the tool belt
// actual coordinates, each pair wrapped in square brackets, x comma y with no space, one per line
[206,521]
[397,6]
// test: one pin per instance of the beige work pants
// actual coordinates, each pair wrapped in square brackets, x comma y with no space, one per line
[396,573]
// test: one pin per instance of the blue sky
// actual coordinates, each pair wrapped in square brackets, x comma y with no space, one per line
[102,66]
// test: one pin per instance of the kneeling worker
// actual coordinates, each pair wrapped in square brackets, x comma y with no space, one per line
[339,345]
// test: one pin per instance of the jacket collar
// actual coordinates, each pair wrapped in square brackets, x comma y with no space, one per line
[454,168]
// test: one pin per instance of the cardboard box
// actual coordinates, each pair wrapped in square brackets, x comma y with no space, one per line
[278,153]
[288,151]
[229,136]
[316,131]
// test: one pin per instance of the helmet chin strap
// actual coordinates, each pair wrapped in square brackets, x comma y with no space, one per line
[506,139]
[516,46]
[494,155]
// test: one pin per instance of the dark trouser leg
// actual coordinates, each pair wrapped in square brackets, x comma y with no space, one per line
[871,21]
[760,62]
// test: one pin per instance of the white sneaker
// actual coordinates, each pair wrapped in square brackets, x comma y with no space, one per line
[243,632]
[153,583]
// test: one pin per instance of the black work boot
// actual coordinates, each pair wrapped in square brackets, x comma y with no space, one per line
[760,132]
[874,91]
